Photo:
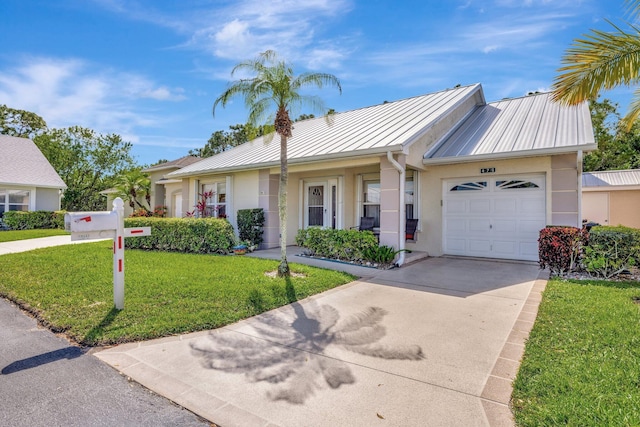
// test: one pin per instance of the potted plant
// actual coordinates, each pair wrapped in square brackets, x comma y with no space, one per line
[240,249]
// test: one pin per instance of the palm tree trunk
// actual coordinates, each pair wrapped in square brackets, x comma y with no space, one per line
[283,268]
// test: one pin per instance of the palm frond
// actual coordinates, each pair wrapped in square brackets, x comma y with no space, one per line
[599,61]
[634,111]
[633,8]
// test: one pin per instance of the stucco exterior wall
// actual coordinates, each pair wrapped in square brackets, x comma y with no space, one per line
[47,199]
[431,181]
[619,206]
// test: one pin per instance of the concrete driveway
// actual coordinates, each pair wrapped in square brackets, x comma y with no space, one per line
[434,343]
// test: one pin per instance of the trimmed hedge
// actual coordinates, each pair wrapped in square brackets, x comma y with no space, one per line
[251,225]
[193,235]
[346,245]
[612,250]
[20,220]
[560,248]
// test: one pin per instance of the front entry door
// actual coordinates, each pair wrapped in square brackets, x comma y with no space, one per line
[316,205]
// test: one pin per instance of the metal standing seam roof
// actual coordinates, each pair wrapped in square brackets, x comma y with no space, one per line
[628,177]
[357,132]
[22,163]
[528,125]
[173,164]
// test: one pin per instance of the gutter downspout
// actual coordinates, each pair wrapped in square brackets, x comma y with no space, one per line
[402,213]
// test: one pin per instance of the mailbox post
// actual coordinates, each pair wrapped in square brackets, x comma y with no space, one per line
[106,225]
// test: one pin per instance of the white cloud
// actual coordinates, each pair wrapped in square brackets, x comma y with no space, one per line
[68,92]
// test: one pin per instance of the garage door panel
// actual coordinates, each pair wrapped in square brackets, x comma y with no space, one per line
[456,206]
[502,220]
[505,206]
[529,250]
[457,246]
[505,225]
[479,225]
[479,246]
[532,206]
[456,225]
[505,248]
[530,226]
[480,206]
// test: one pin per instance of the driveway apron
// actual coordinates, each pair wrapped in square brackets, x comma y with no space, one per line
[414,346]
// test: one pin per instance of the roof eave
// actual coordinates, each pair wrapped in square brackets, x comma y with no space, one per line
[295,161]
[510,154]
[18,184]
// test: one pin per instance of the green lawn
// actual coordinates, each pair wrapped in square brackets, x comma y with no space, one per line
[10,236]
[70,289]
[582,362]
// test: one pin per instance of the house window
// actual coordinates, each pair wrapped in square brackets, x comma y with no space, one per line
[216,200]
[371,199]
[470,186]
[515,184]
[14,200]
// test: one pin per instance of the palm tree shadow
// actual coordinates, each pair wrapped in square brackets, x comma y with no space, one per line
[290,355]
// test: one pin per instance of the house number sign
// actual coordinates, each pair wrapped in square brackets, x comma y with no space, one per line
[487,170]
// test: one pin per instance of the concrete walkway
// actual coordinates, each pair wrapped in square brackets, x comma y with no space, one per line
[42,242]
[435,343]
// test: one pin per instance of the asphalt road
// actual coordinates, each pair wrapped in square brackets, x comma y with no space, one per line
[45,381]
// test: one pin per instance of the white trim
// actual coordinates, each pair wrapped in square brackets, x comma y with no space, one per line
[509,155]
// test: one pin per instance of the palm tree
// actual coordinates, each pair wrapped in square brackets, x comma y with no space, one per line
[274,86]
[599,61]
[132,185]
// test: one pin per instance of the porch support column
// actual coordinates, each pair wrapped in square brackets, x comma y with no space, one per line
[268,201]
[390,202]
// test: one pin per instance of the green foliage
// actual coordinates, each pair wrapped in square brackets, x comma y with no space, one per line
[87,162]
[602,60]
[166,293]
[251,225]
[225,140]
[618,147]
[20,123]
[560,248]
[612,250]
[382,255]
[194,235]
[134,187]
[581,365]
[19,220]
[346,245]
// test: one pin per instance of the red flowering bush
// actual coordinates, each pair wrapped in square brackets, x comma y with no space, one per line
[560,248]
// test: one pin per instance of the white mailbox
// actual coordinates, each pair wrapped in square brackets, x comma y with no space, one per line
[79,222]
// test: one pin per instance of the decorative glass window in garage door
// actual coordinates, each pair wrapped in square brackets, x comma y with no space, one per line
[497,217]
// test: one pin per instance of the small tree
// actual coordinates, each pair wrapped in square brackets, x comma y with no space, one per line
[134,186]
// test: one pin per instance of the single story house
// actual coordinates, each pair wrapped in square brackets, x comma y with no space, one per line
[28,182]
[612,197]
[481,178]
[168,192]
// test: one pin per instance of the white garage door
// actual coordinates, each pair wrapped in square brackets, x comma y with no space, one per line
[497,217]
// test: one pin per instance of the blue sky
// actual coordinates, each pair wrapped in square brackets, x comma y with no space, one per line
[150,70]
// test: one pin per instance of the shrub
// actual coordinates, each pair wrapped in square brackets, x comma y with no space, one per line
[382,255]
[612,250]
[140,213]
[251,225]
[560,248]
[20,220]
[195,235]
[160,211]
[347,245]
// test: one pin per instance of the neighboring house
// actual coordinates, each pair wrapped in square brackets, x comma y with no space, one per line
[612,197]
[164,192]
[168,192]
[28,182]
[482,179]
